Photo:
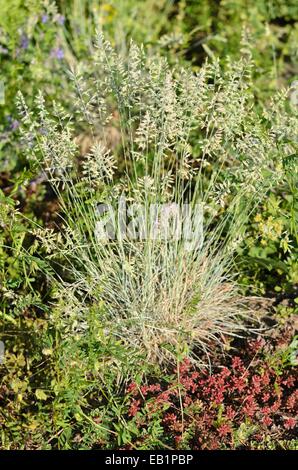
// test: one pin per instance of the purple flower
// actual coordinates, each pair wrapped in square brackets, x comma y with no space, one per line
[44,18]
[3,50]
[14,125]
[24,41]
[60,19]
[57,53]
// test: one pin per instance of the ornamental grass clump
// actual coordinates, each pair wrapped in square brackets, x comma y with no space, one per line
[149,226]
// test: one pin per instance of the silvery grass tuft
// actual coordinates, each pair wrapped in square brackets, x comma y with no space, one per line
[186,138]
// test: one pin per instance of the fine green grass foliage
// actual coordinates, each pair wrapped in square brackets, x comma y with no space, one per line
[185,138]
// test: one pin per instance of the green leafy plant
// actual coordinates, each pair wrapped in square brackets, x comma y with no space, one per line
[79,315]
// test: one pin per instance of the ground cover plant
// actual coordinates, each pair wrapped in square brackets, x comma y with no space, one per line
[242,405]
[148,244]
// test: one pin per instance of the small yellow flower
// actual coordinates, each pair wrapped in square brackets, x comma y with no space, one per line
[107,13]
